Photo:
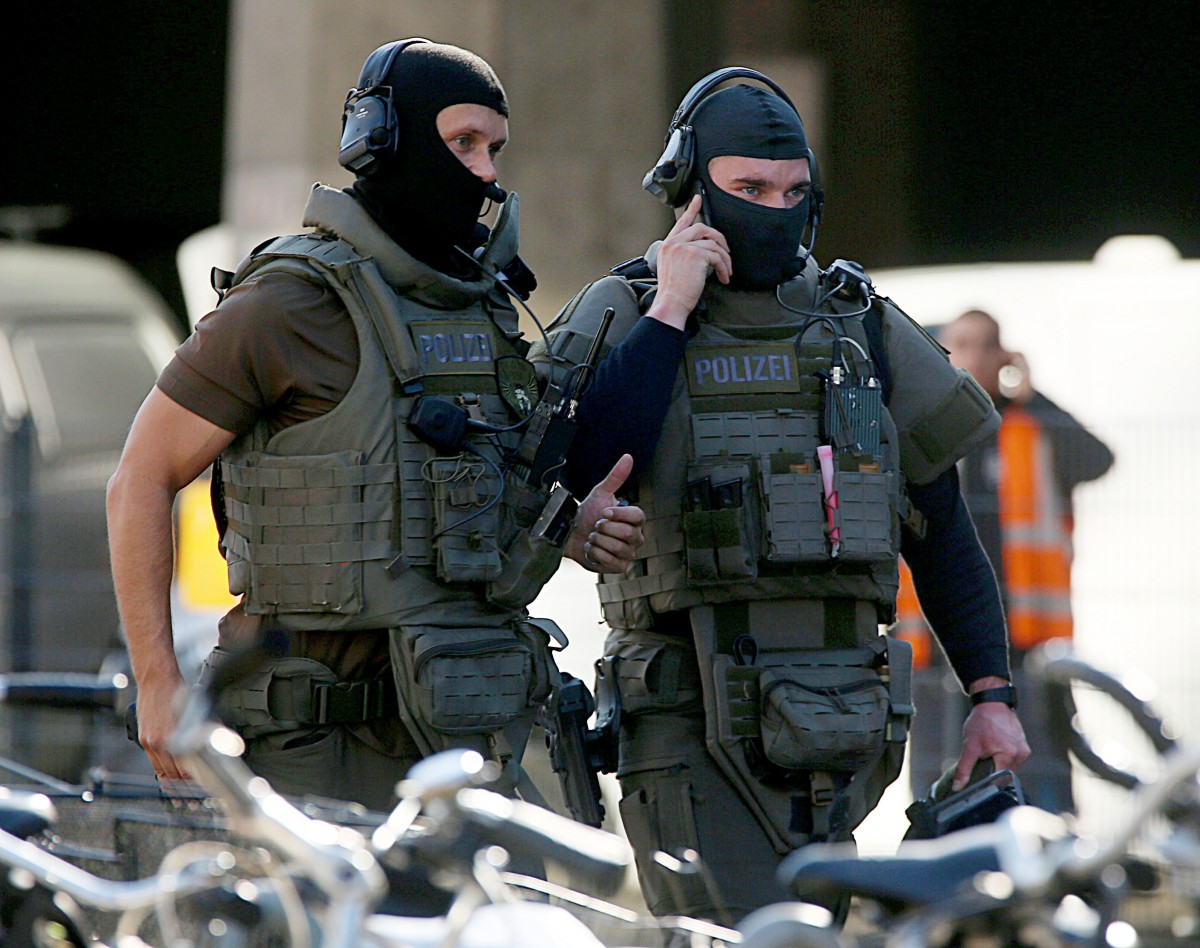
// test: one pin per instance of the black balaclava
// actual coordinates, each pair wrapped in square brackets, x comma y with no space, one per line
[424,197]
[754,123]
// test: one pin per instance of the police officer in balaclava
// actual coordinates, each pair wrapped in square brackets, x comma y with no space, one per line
[792,434]
[362,517]
[764,239]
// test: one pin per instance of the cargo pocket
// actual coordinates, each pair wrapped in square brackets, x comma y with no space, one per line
[660,815]
[719,522]
[822,717]
[654,672]
[467,681]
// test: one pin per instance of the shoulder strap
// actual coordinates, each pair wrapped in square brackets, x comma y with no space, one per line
[873,326]
[334,263]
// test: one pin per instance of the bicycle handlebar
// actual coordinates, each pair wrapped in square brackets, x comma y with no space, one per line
[66,690]
[1059,669]
[524,829]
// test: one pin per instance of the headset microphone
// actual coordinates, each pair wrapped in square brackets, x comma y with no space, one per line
[493,192]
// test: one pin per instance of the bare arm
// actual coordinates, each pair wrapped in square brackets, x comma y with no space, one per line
[168,447]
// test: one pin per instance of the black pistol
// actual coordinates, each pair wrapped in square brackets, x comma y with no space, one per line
[578,753]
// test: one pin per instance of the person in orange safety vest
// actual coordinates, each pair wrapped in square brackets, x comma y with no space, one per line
[1018,489]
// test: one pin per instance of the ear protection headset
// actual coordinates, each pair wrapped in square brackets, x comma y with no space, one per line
[370,132]
[673,176]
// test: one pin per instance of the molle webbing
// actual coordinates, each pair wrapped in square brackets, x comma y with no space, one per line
[733,496]
[807,624]
[283,514]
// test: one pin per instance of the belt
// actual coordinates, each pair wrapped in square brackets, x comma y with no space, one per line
[351,702]
[304,700]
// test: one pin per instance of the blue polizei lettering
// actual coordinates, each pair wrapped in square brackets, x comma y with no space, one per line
[725,370]
[425,345]
[447,348]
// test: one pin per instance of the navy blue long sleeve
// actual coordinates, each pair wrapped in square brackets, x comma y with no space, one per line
[623,410]
[955,582]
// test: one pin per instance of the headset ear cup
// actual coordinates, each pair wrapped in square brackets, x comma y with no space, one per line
[370,131]
[369,134]
[670,178]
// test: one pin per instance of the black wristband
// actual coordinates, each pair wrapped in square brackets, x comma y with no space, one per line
[1006,694]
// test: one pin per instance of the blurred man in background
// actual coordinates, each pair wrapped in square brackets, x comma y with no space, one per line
[1018,487]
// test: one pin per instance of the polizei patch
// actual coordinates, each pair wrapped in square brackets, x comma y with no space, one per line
[454,346]
[738,370]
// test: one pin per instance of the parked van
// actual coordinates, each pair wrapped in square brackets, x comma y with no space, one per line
[82,339]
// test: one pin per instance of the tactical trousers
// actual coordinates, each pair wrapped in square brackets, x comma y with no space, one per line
[675,798]
[309,734]
[328,761]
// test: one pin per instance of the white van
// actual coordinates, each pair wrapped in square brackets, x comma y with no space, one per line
[82,340]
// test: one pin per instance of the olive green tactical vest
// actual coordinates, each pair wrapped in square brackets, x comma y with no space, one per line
[734,496]
[349,520]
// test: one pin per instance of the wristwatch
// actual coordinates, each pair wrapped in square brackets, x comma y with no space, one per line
[1006,694]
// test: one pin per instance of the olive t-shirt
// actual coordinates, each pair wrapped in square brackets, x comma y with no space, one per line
[283,349]
[277,347]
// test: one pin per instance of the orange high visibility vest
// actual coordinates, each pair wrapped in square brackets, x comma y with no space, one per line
[1035,545]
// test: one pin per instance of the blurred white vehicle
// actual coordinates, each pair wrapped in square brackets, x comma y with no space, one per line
[82,339]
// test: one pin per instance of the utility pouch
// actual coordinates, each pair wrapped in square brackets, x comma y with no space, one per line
[864,516]
[465,681]
[797,518]
[822,717]
[534,554]
[793,509]
[466,518]
[719,521]
[654,672]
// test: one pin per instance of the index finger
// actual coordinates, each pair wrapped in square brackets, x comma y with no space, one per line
[628,514]
[687,218]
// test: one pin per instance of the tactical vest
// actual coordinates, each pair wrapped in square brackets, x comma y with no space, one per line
[352,521]
[735,498]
